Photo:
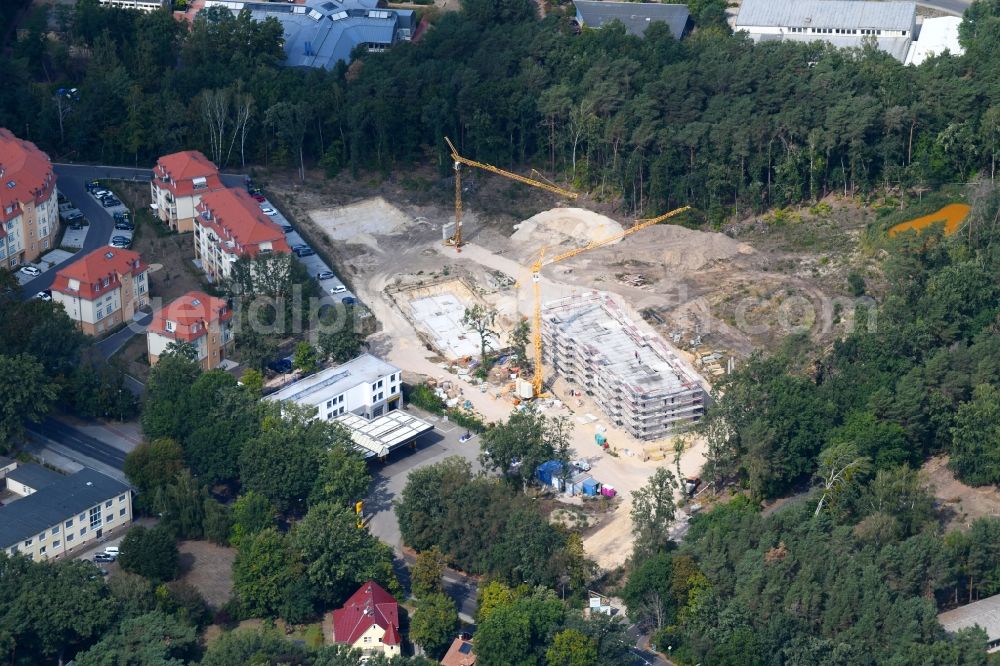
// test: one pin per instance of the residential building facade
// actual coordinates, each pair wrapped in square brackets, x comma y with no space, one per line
[179,181]
[103,289]
[48,515]
[842,23]
[231,225]
[203,321]
[141,5]
[29,207]
[366,386]
[369,622]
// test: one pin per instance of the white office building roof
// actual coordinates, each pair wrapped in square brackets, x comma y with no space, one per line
[383,434]
[935,36]
[844,14]
[314,389]
[984,613]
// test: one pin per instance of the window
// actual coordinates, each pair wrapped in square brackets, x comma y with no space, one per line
[100,313]
[27,543]
[121,512]
[107,505]
[170,326]
[41,537]
[83,516]
[55,530]
[41,551]
[329,403]
[106,282]
[69,523]
[69,537]
[110,518]
[95,517]
[121,498]
[83,530]
[55,544]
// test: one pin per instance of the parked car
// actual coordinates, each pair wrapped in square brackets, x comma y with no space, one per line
[31,270]
[259,198]
[120,242]
[281,366]
[581,465]
[124,226]
[267,210]
[110,202]
[325,275]
[305,252]
[339,289]
[76,226]
[104,557]
[287,228]
[44,295]
[348,300]
[112,550]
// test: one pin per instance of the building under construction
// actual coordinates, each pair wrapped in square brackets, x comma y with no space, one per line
[637,379]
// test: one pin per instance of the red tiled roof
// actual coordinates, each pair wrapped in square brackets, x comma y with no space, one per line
[369,605]
[191,314]
[235,216]
[91,270]
[25,174]
[459,654]
[182,168]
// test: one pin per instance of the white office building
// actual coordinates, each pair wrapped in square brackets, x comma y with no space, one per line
[366,386]
[842,23]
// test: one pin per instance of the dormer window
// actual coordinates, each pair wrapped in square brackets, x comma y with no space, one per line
[200,183]
[170,326]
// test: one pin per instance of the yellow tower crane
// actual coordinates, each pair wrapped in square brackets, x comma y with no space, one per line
[536,273]
[456,238]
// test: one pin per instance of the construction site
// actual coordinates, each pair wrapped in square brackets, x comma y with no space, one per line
[632,321]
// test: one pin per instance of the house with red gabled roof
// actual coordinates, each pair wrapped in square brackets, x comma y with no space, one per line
[198,319]
[29,208]
[369,621]
[103,289]
[231,225]
[179,181]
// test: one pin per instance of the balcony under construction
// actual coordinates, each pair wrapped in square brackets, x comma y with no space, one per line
[640,382]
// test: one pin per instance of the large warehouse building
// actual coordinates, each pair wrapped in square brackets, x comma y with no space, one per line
[842,23]
[638,380]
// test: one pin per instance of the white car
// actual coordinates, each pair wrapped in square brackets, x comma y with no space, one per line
[31,270]
[581,465]
[267,210]
[44,296]
[112,550]
[339,289]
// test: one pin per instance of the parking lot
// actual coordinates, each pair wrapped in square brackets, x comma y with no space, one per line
[334,289]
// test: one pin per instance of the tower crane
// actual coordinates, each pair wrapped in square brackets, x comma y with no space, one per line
[456,238]
[536,276]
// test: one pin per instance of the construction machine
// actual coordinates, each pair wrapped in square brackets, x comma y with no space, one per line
[536,276]
[456,237]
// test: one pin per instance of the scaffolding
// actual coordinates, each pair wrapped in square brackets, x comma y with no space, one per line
[638,380]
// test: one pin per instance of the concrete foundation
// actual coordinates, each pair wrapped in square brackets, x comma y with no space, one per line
[640,382]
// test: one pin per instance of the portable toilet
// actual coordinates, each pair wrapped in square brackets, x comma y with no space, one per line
[600,439]
[608,491]
[591,487]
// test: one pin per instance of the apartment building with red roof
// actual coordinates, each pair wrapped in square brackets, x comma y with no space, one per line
[179,181]
[230,225]
[201,320]
[103,289]
[29,208]
[369,621]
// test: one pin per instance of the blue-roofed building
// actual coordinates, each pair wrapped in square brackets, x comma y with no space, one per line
[635,16]
[321,33]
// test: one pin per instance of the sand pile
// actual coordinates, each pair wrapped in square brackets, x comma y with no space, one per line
[565,225]
[685,249]
[360,221]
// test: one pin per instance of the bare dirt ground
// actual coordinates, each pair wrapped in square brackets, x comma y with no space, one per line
[734,292]
[208,567]
[960,504]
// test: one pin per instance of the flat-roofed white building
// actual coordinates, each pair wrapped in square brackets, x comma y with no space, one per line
[842,23]
[984,613]
[141,5]
[366,386]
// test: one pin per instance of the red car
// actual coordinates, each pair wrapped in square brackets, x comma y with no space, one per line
[259,197]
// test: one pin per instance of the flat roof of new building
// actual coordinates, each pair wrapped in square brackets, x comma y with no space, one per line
[58,501]
[845,14]
[383,434]
[635,16]
[334,381]
[641,361]
[34,476]
[984,613]
[936,35]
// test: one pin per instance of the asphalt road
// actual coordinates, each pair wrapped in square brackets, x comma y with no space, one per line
[956,7]
[79,442]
